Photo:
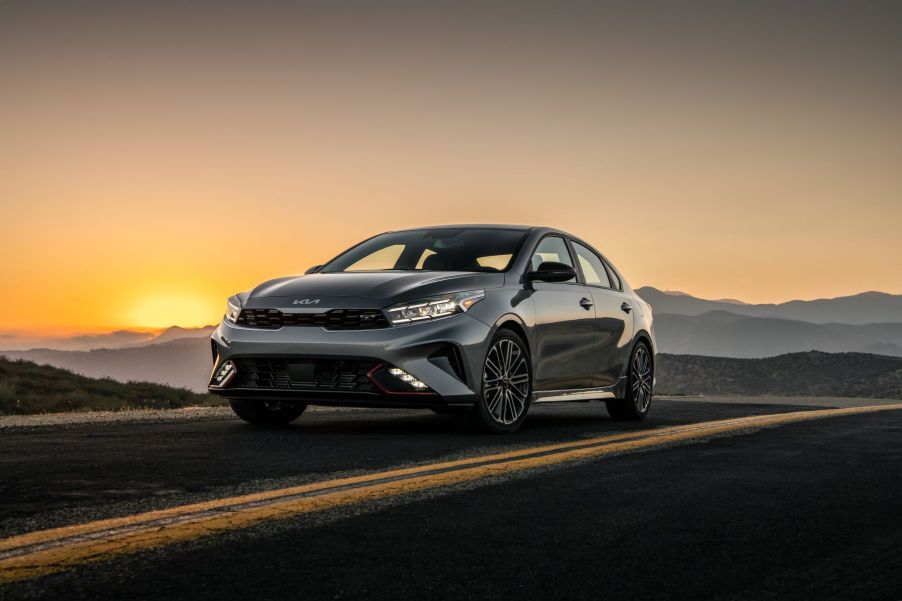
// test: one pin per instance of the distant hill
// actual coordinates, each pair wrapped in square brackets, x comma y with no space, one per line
[728,334]
[87,342]
[177,333]
[796,374]
[81,342]
[26,387]
[184,362]
[864,308]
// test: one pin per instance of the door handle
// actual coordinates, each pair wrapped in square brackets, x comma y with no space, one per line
[585,303]
[625,307]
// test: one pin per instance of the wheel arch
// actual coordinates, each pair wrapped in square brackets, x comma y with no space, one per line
[642,336]
[514,323]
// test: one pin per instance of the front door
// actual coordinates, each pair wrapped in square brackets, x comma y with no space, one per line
[565,332]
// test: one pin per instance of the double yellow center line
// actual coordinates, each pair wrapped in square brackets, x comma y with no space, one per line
[43,552]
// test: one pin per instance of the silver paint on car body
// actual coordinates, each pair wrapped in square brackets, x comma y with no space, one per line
[576,352]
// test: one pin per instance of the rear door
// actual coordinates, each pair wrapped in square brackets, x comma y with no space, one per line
[613,316]
[565,331]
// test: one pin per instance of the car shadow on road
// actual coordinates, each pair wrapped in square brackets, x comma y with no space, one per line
[542,423]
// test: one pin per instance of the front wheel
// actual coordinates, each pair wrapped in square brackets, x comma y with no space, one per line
[506,385]
[267,413]
[639,387]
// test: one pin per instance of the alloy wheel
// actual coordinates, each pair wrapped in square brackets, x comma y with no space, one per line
[641,379]
[506,381]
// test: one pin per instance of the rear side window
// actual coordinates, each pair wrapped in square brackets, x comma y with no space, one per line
[551,248]
[593,267]
[615,279]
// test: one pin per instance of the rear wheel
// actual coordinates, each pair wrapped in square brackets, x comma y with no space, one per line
[267,413]
[506,385]
[638,387]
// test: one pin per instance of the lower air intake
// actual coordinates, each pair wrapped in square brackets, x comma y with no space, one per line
[336,375]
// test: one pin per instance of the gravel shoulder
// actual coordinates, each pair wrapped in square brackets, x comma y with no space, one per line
[149,416]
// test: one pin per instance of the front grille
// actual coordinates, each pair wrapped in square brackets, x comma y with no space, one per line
[336,319]
[338,375]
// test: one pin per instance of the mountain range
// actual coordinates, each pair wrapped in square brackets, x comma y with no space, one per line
[725,334]
[870,322]
[181,363]
[176,356]
[864,308]
[87,342]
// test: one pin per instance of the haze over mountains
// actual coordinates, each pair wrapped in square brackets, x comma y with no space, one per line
[87,342]
[864,308]
[724,334]
[177,357]
[182,363]
[866,323]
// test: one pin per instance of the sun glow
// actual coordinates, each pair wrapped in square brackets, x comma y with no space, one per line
[165,309]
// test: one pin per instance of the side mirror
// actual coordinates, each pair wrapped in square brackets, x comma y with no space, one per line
[551,271]
[313,269]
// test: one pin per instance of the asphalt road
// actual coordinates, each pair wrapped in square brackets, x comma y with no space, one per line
[807,510]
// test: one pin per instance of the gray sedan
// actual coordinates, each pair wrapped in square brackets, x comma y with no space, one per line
[476,320]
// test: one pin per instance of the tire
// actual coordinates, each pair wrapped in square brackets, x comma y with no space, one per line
[506,388]
[267,413]
[638,387]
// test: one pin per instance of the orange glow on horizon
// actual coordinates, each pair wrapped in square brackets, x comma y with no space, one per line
[173,308]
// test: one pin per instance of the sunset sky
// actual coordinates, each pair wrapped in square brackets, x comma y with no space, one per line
[158,157]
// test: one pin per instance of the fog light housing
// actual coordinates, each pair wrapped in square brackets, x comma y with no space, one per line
[223,375]
[406,377]
[392,380]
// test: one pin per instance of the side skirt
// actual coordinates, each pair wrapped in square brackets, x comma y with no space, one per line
[580,394]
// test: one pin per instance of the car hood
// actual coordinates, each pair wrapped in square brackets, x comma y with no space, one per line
[364,290]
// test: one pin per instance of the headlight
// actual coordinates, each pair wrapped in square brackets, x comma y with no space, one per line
[233,309]
[435,307]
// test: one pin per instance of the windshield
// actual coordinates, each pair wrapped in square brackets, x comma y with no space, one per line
[440,249]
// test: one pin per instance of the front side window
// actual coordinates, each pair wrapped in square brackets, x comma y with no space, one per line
[592,266]
[439,249]
[551,248]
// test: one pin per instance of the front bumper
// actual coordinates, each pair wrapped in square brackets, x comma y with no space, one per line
[412,348]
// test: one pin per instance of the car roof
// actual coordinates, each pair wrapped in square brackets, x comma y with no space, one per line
[483,226]
[491,226]
[542,230]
